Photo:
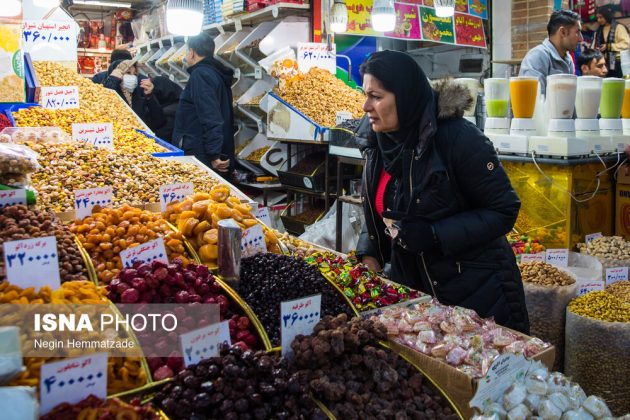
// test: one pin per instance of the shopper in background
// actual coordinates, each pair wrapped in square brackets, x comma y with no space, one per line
[437,201]
[116,55]
[205,120]
[167,93]
[137,91]
[553,55]
[611,38]
[592,63]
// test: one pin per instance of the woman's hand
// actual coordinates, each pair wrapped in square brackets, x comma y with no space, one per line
[371,263]
[602,48]
[122,69]
[147,86]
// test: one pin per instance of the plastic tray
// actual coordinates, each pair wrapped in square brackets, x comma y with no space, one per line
[172,150]
[8,108]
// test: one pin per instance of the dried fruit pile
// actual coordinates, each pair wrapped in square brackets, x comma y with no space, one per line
[95,408]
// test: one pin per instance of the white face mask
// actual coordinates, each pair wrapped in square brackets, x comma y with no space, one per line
[129,82]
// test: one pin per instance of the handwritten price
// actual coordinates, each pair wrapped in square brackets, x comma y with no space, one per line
[12,197]
[295,317]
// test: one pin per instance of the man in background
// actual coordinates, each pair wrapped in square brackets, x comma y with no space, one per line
[592,63]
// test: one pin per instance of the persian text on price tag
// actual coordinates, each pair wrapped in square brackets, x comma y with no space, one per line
[49,40]
[538,257]
[99,135]
[591,286]
[12,197]
[204,343]
[316,54]
[616,274]
[253,241]
[60,97]
[174,192]
[73,380]
[343,116]
[263,215]
[146,253]
[504,371]
[32,262]
[85,200]
[298,317]
[558,257]
[592,237]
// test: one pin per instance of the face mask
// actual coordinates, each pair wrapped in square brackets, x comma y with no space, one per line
[129,82]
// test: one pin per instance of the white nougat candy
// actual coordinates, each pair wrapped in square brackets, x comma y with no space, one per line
[495,409]
[577,395]
[514,396]
[561,401]
[18,403]
[549,410]
[597,407]
[536,385]
[580,414]
[10,354]
[519,412]
[532,402]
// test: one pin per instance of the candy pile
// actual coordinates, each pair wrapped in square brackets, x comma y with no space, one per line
[523,244]
[455,335]
[96,408]
[344,367]
[602,306]
[363,287]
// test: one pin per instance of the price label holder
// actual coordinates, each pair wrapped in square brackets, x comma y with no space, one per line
[32,262]
[613,275]
[146,253]
[316,54]
[592,237]
[204,343]
[49,40]
[12,197]
[85,200]
[253,241]
[174,192]
[59,97]
[100,135]
[263,215]
[557,257]
[298,317]
[342,116]
[504,372]
[538,257]
[258,74]
[591,286]
[72,380]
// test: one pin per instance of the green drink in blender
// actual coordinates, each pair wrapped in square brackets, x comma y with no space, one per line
[497,95]
[612,97]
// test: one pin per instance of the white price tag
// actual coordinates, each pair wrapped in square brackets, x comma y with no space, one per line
[558,257]
[174,192]
[100,135]
[32,262]
[343,116]
[263,215]
[72,380]
[59,97]
[253,241]
[592,237]
[591,286]
[298,317]
[85,200]
[504,371]
[527,258]
[147,252]
[204,343]
[616,274]
[12,197]
[49,40]
[316,54]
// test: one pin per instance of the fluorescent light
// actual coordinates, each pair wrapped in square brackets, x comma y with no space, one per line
[11,8]
[339,17]
[444,8]
[102,3]
[383,16]
[184,17]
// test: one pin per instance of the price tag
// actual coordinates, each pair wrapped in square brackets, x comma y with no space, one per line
[316,54]
[12,197]
[538,257]
[72,380]
[100,135]
[85,200]
[32,262]
[147,252]
[591,286]
[343,116]
[253,241]
[616,274]
[174,192]
[558,257]
[49,40]
[592,237]
[263,215]
[204,343]
[504,371]
[298,317]
[60,97]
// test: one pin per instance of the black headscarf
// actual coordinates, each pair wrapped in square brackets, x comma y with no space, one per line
[401,75]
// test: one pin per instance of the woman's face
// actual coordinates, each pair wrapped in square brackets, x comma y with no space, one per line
[601,20]
[380,105]
[132,71]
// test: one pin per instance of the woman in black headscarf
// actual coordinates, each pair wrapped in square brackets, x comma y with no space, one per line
[437,201]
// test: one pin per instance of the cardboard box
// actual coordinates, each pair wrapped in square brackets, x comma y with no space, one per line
[622,202]
[458,387]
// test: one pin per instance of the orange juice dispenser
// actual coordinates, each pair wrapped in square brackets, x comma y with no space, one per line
[611,102]
[497,97]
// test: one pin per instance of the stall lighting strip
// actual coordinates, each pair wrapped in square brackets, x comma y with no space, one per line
[102,3]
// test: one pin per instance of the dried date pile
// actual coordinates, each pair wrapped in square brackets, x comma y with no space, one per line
[344,367]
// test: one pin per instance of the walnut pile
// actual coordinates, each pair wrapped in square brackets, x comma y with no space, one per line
[544,274]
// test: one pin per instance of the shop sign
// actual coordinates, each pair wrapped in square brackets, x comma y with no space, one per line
[436,29]
[146,253]
[461,6]
[504,371]
[32,263]
[204,343]
[316,54]
[72,380]
[253,241]
[469,31]
[12,197]
[616,274]
[99,135]
[298,317]
[174,192]
[48,40]
[478,8]
[360,17]
[558,257]
[60,97]
[86,200]
[407,22]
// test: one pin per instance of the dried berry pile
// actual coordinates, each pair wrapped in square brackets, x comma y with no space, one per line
[237,385]
[93,407]
[269,279]
[344,367]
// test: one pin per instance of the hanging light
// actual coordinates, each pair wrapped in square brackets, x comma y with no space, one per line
[184,17]
[11,8]
[49,4]
[444,8]
[339,17]
[383,16]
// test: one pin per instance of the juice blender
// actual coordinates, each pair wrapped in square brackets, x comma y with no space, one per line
[589,90]
[473,87]
[625,110]
[497,97]
[610,105]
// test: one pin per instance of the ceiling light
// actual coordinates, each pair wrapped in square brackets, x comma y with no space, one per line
[11,8]
[339,17]
[444,8]
[383,16]
[184,17]
[102,3]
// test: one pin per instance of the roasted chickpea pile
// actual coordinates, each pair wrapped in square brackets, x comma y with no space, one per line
[602,306]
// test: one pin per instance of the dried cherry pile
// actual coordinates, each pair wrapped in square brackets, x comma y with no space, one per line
[344,367]
[237,385]
[269,279]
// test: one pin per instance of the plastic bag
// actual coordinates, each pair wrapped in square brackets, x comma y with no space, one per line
[17,159]
[16,180]
[22,135]
[597,358]
[323,232]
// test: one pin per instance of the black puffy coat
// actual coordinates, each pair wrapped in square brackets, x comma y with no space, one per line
[453,180]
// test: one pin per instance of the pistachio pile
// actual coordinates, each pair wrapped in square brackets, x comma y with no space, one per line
[609,247]
[544,274]
[602,306]
[620,289]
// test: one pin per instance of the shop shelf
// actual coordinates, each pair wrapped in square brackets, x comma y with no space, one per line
[312,180]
